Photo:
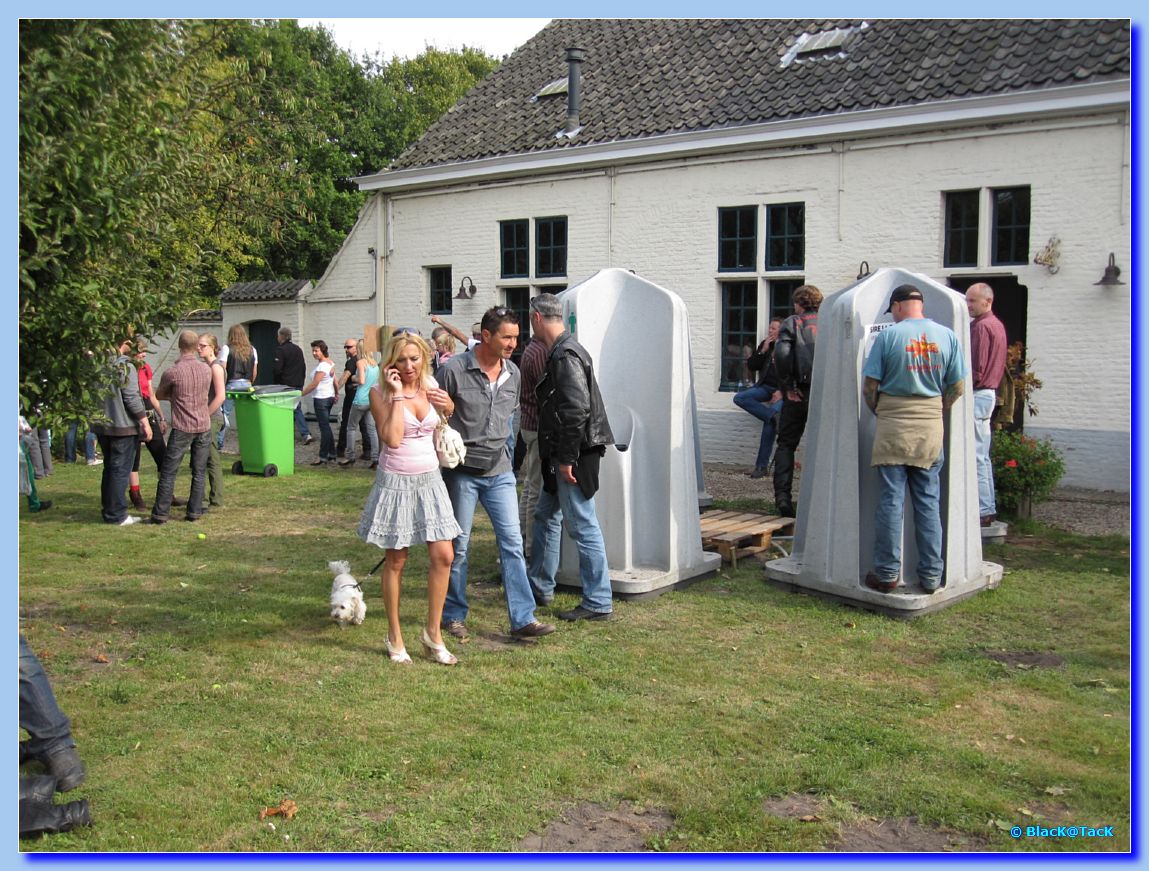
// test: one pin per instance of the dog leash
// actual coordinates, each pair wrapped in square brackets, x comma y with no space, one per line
[378,564]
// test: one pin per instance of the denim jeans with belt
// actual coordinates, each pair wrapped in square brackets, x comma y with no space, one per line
[984,402]
[40,715]
[178,444]
[498,496]
[568,503]
[925,495]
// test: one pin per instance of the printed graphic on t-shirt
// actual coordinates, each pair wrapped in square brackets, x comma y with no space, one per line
[921,352]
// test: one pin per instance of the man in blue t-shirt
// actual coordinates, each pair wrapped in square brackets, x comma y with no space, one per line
[914,372]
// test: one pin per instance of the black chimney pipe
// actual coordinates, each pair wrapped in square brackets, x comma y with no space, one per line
[575,57]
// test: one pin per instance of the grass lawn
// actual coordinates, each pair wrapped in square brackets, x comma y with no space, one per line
[206,682]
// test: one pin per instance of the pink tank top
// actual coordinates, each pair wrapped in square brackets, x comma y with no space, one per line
[416,453]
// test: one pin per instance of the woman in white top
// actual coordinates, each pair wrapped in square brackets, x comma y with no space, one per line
[409,503]
[325,389]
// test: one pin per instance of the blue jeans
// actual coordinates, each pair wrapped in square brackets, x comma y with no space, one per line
[40,715]
[70,444]
[119,456]
[498,496]
[925,494]
[983,405]
[178,444]
[323,419]
[569,503]
[301,421]
[229,409]
[756,401]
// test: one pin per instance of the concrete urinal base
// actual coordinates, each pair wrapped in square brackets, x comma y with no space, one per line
[905,602]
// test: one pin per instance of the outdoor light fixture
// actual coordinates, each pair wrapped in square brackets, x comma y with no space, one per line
[466,288]
[1109,279]
[863,270]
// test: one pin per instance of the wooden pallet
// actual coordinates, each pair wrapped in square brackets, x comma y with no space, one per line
[736,534]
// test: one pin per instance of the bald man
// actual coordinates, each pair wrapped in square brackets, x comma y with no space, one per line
[987,357]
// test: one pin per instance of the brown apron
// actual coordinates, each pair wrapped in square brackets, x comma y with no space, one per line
[909,431]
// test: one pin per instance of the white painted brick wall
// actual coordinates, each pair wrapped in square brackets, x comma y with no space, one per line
[879,201]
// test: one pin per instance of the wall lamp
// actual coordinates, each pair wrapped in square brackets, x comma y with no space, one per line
[1110,278]
[467,288]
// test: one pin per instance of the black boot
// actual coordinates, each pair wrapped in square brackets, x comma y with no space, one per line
[783,480]
[38,815]
[65,765]
[42,817]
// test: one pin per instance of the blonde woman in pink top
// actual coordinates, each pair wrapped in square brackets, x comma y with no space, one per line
[408,502]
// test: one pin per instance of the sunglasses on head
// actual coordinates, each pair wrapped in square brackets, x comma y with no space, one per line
[409,331]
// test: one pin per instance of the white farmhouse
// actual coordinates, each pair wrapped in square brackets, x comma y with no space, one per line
[733,160]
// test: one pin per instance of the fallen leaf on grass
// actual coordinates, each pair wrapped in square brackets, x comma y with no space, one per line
[850,624]
[1056,790]
[286,809]
[810,818]
[61,629]
[1002,824]
[1026,811]
[99,657]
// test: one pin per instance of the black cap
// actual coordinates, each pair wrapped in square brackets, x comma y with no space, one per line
[903,292]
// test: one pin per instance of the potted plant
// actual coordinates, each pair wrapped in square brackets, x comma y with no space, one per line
[1025,470]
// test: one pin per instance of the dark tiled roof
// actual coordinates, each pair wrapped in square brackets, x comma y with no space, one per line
[263,291]
[644,77]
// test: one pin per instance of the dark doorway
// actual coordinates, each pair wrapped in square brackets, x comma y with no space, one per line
[1010,304]
[264,337]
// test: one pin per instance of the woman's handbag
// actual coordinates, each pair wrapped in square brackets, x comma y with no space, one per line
[449,446]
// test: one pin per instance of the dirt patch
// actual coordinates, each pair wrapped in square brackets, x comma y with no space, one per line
[593,828]
[901,836]
[798,806]
[870,835]
[497,641]
[1025,659]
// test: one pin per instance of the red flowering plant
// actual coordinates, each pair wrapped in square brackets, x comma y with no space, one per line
[1025,469]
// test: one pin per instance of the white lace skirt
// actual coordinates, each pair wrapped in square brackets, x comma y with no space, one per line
[402,510]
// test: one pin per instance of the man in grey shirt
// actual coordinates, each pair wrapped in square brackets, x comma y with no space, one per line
[484,384]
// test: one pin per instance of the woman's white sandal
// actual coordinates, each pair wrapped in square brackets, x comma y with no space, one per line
[438,652]
[398,655]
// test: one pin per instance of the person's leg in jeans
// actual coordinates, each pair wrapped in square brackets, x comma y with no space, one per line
[345,420]
[199,455]
[34,503]
[40,715]
[925,495]
[464,493]
[499,497]
[70,443]
[119,451]
[546,533]
[301,422]
[178,443]
[326,437]
[766,440]
[89,447]
[582,524]
[32,447]
[888,522]
[983,405]
[351,435]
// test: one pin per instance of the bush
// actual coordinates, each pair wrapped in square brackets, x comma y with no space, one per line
[1023,467]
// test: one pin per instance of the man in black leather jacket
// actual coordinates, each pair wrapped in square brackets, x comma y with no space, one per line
[573,436]
[794,358]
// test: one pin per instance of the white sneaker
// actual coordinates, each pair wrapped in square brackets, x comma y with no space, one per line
[95,462]
[129,520]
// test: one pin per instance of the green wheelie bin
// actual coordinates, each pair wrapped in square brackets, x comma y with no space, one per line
[264,418]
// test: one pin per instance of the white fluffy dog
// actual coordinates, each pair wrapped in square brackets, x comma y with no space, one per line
[347,605]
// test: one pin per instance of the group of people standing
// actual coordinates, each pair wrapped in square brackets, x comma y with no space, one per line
[479,392]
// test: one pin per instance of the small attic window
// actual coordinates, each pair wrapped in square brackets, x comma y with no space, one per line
[556,88]
[822,45]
